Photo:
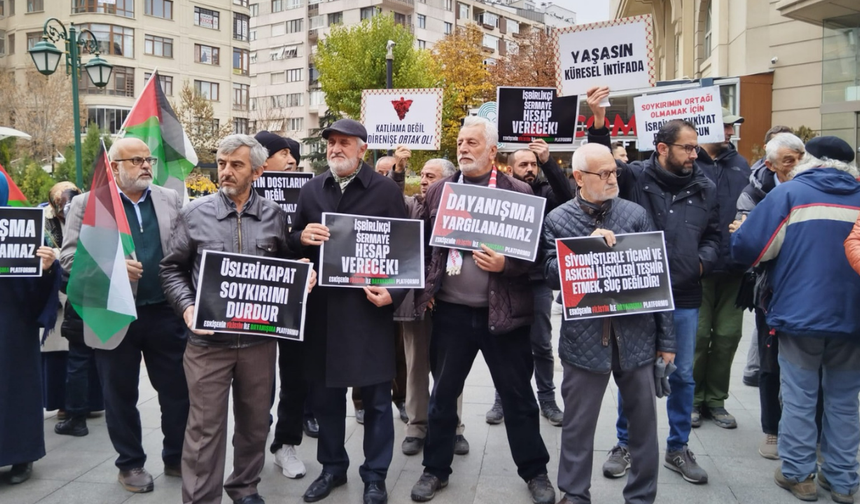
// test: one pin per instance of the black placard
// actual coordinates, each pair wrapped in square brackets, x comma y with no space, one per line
[283,188]
[602,281]
[245,294]
[506,221]
[525,114]
[21,231]
[364,251]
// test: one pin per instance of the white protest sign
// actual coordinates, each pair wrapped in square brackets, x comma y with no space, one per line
[617,53]
[410,117]
[700,106]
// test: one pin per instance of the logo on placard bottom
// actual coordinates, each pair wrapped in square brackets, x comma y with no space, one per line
[401,107]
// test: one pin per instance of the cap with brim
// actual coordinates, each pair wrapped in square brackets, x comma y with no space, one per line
[349,127]
[729,118]
[830,147]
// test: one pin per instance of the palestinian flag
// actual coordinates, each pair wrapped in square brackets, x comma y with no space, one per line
[16,197]
[152,120]
[99,288]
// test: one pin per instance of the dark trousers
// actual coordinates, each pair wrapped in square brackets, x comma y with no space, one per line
[159,335]
[329,406]
[83,390]
[459,332]
[541,338]
[398,384]
[293,406]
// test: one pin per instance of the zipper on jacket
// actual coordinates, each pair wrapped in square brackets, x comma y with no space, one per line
[239,226]
[606,331]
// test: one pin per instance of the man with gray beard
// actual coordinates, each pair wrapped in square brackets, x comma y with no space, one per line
[157,334]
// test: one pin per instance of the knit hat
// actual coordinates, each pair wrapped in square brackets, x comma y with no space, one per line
[275,143]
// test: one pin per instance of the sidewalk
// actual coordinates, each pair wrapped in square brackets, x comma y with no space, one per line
[81,470]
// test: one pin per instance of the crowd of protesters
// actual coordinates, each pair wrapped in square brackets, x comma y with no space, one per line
[781,238]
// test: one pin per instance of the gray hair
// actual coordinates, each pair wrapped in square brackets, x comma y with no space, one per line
[491,133]
[782,140]
[809,162]
[583,154]
[383,159]
[448,167]
[259,154]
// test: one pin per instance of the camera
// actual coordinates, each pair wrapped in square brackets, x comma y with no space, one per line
[774,60]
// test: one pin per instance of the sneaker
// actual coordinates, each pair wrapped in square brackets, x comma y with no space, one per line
[426,487]
[461,446]
[550,411]
[541,490]
[412,445]
[74,426]
[722,418]
[20,473]
[684,463]
[696,417]
[495,415]
[618,462]
[836,496]
[359,416]
[136,480]
[804,490]
[401,407]
[289,462]
[768,447]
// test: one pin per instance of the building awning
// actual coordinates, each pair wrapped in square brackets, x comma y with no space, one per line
[837,13]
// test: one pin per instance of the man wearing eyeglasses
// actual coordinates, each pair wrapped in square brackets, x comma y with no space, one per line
[682,202]
[158,333]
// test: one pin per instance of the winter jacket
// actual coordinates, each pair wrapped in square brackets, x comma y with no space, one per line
[553,185]
[730,172]
[406,311]
[798,233]
[688,216]
[761,182]
[586,343]
[510,296]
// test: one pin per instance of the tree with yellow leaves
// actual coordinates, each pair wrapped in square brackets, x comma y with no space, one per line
[532,65]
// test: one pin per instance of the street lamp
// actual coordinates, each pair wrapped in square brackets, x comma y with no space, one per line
[46,57]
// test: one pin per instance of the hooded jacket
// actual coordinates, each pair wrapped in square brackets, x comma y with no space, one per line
[798,233]
[762,181]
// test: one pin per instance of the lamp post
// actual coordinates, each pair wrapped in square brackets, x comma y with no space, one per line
[46,57]
[389,70]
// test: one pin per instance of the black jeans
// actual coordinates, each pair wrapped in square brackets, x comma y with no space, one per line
[159,335]
[459,332]
[83,390]
[293,403]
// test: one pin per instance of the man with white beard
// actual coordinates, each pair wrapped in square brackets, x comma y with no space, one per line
[349,336]
[483,302]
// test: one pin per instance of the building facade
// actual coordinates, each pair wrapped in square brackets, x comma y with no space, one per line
[206,44]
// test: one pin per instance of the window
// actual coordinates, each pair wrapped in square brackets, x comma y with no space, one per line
[317,98]
[422,21]
[206,18]
[113,39]
[277,78]
[489,61]
[296,123]
[159,8]
[255,10]
[2,8]
[253,102]
[241,61]
[448,28]
[208,90]
[335,18]
[33,38]
[449,5]
[240,126]
[294,4]
[2,43]
[254,57]
[11,46]
[107,119]
[241,25]
[294,75]
[367,12]
[489,19]
[121,83]
[207,55]
[422,44]
[35,5]
[277,5]
[512,26]
[158,46]
[240,96]
[464,11]
[252,35]
[317,22]
[120,7]
[166,82]
[708,37]
[313,75]
[490,42]
[243,3]
[11,7]
[294,26]
[278,29]
[285,52]
[276,101]
[400,19]
[294,99]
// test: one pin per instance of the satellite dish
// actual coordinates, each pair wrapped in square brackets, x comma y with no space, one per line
[488,111]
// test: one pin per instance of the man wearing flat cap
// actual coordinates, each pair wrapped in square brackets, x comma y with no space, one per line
[350,336]
[283,152]
[720,321]
[797,232]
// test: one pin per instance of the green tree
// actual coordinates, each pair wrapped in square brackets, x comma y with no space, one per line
[7,151]
[197,117]
[352,58]
[315,143]
[89,149]
[35,183]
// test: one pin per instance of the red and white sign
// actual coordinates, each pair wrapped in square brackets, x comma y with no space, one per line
[700,106]
[410,117]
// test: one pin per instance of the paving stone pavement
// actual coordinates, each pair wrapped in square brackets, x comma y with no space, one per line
[81,470]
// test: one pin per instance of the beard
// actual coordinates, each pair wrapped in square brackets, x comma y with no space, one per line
[474,165]
[343,166]
[138,184]
[678,167]
[608,194]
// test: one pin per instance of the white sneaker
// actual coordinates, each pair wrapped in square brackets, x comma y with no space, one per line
[289,462]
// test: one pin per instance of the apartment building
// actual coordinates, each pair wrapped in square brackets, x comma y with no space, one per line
[285,93]
[205,43]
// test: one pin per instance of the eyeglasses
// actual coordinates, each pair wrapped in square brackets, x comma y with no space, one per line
[687,148]
[604,175]
[137,160]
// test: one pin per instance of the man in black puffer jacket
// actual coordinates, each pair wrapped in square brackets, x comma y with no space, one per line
[592,348]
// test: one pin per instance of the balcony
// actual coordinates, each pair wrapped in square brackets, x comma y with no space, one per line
[398,4]
[313,36]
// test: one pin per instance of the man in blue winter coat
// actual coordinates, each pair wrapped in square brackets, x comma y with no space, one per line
[798,232]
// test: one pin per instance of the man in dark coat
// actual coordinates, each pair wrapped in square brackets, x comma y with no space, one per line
[720,321]
[682,202]
[591,348]
[483,302]
[351,334]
